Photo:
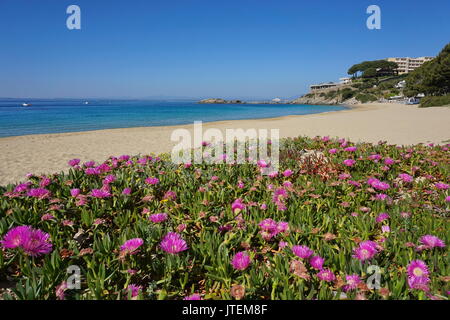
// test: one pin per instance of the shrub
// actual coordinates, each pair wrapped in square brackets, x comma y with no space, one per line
[365,97]
[435,101]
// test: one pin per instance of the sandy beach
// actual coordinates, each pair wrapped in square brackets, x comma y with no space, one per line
[49,153]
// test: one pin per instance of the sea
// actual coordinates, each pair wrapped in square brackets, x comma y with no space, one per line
[68,115]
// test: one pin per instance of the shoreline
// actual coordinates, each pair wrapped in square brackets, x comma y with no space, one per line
[49,153]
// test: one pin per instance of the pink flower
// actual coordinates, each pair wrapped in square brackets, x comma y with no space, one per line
[417,268]
[350,149]
[317,262]
[126,191]
[431,241]
[262,164]
[441,186]
[302,251]
[194,296]
[332,151]
[109,179]
[131,246]
[349,162]
[241,261]
[365,251]
[344,176]
[152,181]
[287,173]
[326,275]
[405,177]
[33,242]
[382,216]
[388,161]
[170,195]
[158,217]
[385,229]
[237,206]
[100,194]
[173,243]
[133,290]
[352,282]
[39,193]
[60,290]
[74,162]
[75,192]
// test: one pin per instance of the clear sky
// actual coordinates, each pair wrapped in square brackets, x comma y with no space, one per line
[203,48]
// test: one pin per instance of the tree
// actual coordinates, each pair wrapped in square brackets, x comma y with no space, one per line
[433,77]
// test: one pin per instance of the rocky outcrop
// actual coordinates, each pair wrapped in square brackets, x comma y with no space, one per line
[220,101]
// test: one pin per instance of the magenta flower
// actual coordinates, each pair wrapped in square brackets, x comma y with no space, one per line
[382,216]
[92,171]
[389,161]
[365,251]
[39,193]
[15,237]
[317,262]
[194,296]
[302,251]
[74,162]
[109,179]
[36,243]
[352,282]
[237,206]
[441,186]
[447,199]
[262,164]
[240,261]
[332,151]
[268,225]
[22,187]
[45,182]
[405,177]
[349,162]
[350,149]
[375,157]
[158,217]
[60,290]
[418,268]
[131,246]
[431,241]
[173,243]
[100,194]
[152,181]
[133,290]
[170,195]
[326,275]
[419,283]
[287,173]
[75,192]
[126,191]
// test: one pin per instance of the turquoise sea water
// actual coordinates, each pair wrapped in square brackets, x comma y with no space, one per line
[56,116]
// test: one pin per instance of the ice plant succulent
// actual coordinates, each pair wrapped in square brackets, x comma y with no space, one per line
[173,243]
[241,261]
[131,246]
[33,242]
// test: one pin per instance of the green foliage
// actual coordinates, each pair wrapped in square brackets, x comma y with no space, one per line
[435,101]
[364,97]
[433,77]
[370,68]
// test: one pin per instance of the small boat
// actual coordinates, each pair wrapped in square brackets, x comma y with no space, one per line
[26,104]
[86,102]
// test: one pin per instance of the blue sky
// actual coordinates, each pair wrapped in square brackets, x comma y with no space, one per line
[203,48]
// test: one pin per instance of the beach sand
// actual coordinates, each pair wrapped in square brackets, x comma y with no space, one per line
[394,123]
